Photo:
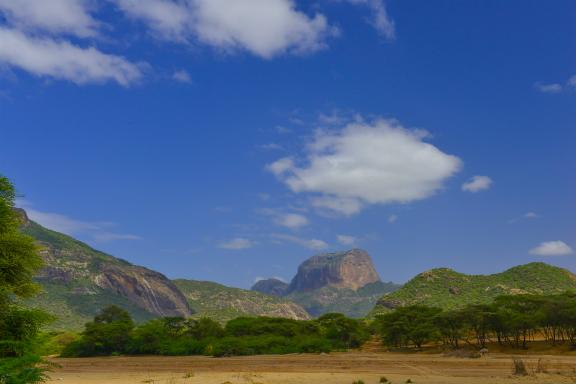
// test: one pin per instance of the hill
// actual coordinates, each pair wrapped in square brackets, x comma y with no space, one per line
[224,303]
[344,282]
[449,289]
[78,281]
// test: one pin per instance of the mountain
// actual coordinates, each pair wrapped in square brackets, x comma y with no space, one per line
[224,303]
[344,282]
[449,289]
[272,286]
[78,281]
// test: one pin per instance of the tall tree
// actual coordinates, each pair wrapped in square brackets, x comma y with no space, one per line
[19,327]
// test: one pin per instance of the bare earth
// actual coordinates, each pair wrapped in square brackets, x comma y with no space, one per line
[335,368]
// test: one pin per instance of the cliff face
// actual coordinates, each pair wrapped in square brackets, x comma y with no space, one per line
[273,287]
[352,270]
[78,281]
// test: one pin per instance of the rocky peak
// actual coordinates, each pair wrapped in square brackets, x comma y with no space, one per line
[352,269]
[272,286]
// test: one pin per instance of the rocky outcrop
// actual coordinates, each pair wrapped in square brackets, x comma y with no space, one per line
[272,286]
[147,289]
[344,282]
[352,269]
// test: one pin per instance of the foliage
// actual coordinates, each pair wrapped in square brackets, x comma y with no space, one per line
[447,289]
[19,327]
[512,320]
[111,333]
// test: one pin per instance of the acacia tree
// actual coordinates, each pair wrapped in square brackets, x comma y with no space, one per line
[19,327]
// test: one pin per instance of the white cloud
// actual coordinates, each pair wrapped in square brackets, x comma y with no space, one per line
[97,231]
[477,184]
[237,244]
[265,28]
[314,244]
[367,163]
[526,216]
[62,60]
[392,219]
[182,76]
[346,239]
[380,19]
[271,147]
[291,220]
[552,248]
[549,88]
[53,16]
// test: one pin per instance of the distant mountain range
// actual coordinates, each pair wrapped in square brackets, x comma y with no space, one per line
[344,282]
[449,289]
[78,281]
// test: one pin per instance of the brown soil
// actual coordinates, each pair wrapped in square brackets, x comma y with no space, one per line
[335,368]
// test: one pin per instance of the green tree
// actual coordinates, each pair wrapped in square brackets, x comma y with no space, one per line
[109,333]
[19,327]
[409,325]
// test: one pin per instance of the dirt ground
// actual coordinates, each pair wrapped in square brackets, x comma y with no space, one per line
[334,368]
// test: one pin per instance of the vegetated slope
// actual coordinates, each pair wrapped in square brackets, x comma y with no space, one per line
[344,282]
[78,281]
[448,289]
[224,303]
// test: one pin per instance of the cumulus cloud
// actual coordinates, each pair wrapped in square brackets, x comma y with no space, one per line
[237,243]
[367,163]
[62,60]
[380,18]
[265,28]
[552,248]
[477,184]
[314,244]
[53,16]
[97,231]
[346,239]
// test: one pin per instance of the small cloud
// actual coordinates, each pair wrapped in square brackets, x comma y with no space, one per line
[340,205]
[346,239]
[548,88]
[477,184]
[291,220]
[526,216]
[271,147]
[237,244]
[182,76]
[314,244]
[282,130]
[552,248]
[392,219]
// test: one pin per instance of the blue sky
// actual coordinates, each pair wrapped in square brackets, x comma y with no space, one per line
[230,140]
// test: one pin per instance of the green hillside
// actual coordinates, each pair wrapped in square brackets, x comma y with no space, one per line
[449,289]
[78,281]
[223,303]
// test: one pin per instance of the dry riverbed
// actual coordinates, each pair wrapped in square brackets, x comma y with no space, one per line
[335,368]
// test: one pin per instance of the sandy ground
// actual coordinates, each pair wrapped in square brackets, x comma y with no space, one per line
[335,368]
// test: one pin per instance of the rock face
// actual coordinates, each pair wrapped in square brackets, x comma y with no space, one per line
[352,269]
[79,281]
[344,282]
[272,286]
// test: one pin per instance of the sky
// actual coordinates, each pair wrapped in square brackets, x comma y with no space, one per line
[230,140]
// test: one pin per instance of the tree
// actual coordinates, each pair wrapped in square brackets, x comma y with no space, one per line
[19,327]
[409,325]
[109,333]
